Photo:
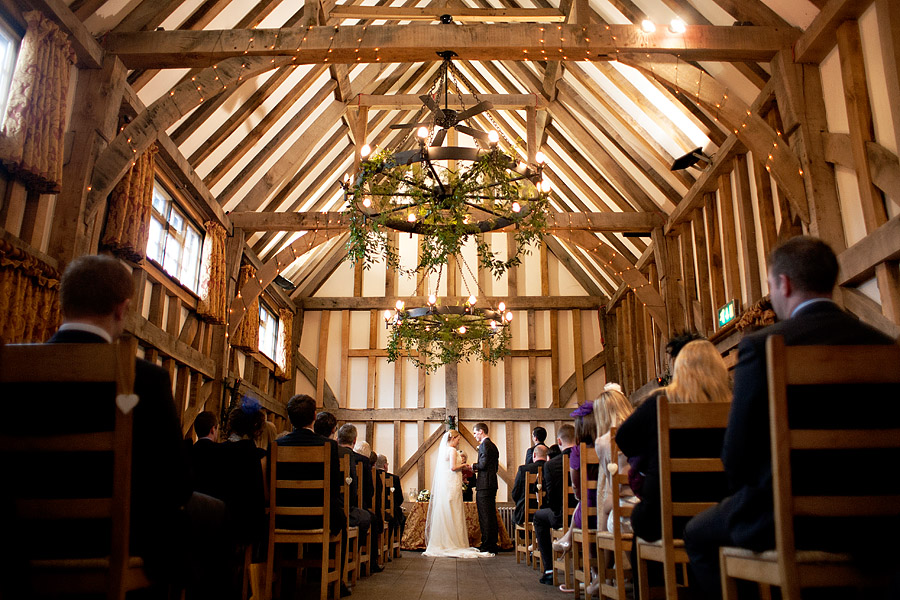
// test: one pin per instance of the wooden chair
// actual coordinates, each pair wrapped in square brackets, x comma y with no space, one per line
[562,562]
[313,458]
[396,509]
[616,542]
[799,366]
[584,538]
[381,514]
[670,551]
[524,534]
[99,379]
[388,548]
[365,549]
[351,563]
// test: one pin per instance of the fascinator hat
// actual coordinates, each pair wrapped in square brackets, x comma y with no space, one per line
[250,405]
[612,386]
[583,410]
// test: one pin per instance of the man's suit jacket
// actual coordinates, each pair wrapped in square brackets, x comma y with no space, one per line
[553,483]
[307,437]
[519,494]
[208,467]
[746,450]
[161,479]
[487,465]
[529,454]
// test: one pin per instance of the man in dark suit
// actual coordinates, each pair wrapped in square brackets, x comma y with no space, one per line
[538,437]
[206,456]
[550,515]
[363,517]
[486,487]
[301,411]
[802,275]
[95,297]
[519,493]
[398,521]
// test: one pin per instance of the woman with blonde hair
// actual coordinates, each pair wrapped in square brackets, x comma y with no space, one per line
[611,409]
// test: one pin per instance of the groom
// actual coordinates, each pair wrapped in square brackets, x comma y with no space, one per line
[486,485]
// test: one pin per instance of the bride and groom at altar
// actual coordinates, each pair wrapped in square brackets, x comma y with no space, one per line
[445,527]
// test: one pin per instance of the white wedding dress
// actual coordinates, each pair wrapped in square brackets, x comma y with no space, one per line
[445,528]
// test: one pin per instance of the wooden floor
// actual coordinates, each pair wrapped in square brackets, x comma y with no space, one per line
[415,577]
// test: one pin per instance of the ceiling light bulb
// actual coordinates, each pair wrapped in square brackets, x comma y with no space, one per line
[677,26]
[648,26]
[367,202]
[493,136]
[411,218]
[462,329]
[365,151]
[539,158]
[472,300]
[509,316]
[422,132]
[502,306]
[400,304]
[516,207]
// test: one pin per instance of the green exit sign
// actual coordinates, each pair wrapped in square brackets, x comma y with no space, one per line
[727,314]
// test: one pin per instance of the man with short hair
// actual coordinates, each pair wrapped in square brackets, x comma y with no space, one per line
[363,517]
[325,424]
[519,494]
[550,516]
[486,487]
[206,457]
[802,275]
[398,521]
[538,436]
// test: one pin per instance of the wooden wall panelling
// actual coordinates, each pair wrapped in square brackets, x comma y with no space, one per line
[766,205]
[512,283]
[579,357]
[38,211]
[649,346]
[532,361]
[322,357]
[689,275]
[731,263]
[676,290]
[12,212]
[790,222]
[608,332]
[747,228]
[672,305]
[889,34]
[371,379]
[716,259]
[862,131]
[157,304]
[398,436]
[420,464]
[624,338]
[634,337]
[705,324]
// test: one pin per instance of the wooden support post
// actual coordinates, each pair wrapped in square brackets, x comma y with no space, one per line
[748,228]
[716,259]
[532,362]
[420,464]
[608,330]
[372,380]
[579,357]
[345,359]
[322,358]
[688,274]
[705,324]
[766,205]
[731,263]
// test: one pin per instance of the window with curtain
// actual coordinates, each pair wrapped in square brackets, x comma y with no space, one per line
[174,243]
[268,331]
[9,48]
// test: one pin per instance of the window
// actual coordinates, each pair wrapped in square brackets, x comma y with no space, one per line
[174,242]
[9,47]
[268,331]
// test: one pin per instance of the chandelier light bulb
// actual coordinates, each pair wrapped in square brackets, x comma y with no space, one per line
[411,218]
[367,202]
[472,300]
[648,26]
[493,324]
[432,299]
[346,178]
[400,304]
[365,151]
[387,315]
[677,26]
[539,158]
[509,316]
[516,207]
[422,132]
[502,306]
[493,137]
[462,329]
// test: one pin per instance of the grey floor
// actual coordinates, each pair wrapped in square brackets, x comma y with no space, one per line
[415,577]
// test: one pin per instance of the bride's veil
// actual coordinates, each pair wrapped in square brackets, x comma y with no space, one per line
[439,482]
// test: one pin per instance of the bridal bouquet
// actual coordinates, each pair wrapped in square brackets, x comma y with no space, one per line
[467,474]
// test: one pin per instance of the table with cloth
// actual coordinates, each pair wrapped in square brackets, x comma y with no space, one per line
[414,534]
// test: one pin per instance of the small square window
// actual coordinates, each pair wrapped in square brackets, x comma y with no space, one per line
[174,242]
[268,332]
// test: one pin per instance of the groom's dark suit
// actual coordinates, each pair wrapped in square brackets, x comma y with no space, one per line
[486,497]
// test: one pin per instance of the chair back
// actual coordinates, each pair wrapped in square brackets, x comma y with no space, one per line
[618,480]
[569,501]
[587,484]
[532,495]
[300,488]
[69,464]
[360,487]
[616,540]
[345,485]
[805,441]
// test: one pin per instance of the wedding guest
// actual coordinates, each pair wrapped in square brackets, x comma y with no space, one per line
[486,487]
[802,275]
[206,457]
[325,424]
[550,516]
[398,521]
[519,494]
[369,527]
[538,435]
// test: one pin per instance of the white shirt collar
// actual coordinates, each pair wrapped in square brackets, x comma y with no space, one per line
[87,327]
[806,303]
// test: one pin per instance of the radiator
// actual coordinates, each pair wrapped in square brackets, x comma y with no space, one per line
[507,517]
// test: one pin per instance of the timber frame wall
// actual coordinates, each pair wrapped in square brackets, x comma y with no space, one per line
[775,176]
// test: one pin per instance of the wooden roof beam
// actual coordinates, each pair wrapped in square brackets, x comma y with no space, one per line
[420,42]
[821,35]
[407,101]
[460,15]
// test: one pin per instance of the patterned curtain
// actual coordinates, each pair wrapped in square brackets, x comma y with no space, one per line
[31,139]
[29,297]
[285,365]
[247,335]
[213,278]
[130,204]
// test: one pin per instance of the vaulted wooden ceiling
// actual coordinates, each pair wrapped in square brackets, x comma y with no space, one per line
[270,101]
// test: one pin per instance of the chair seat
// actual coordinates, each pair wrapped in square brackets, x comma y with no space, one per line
[134,562]
[803,556]
[658,543]
[299,531]
[608,535]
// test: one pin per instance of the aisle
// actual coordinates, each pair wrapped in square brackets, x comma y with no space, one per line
[415,577]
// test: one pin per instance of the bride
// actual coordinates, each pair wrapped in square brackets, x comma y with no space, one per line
[445,527]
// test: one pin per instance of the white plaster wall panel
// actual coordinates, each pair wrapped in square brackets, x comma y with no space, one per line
[309,337]
[833,86]
[384,383]
[562,283]
[498,389]
[543,380]
[360,430]
[467,270]
[851,207]
[470,384]
[522,437]
[876,80]
[590,334]
[410,385]
[566,349]
[333,375]
[383,441]
[870,289]
[359,329]
[406,285]
[541,329]
[373,280]
[339,285]
[519,383]
[741,247]
[757,223]
[435,393]
[359,377]
[304,386]
[593,384]
[529,272]
[518,329]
